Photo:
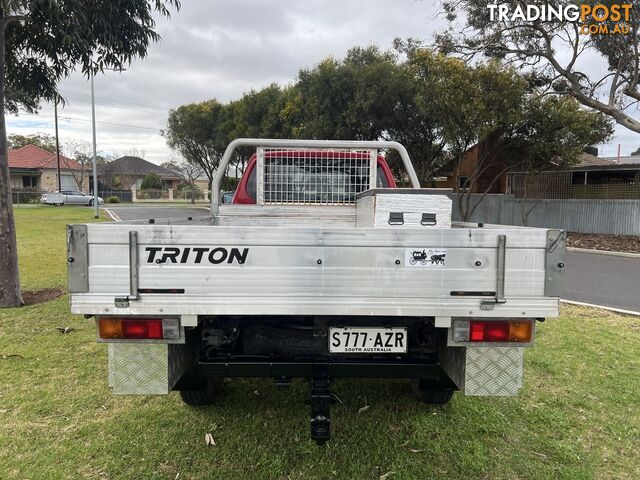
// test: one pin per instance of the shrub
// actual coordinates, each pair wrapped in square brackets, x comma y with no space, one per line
[151,181]
[113,199]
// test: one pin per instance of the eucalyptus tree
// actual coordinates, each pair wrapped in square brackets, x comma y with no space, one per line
[590,53]
[43,41]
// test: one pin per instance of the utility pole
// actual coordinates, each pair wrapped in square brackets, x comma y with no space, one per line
[55,116]
[96,212]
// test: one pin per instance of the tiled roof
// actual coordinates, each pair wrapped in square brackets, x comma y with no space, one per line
[587,160]
[631,159]
[136,166]
[37,158]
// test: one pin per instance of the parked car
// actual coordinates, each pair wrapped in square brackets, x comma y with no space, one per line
[227,197]
[69,197]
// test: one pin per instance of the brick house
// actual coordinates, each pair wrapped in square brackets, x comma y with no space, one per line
[35,169]
[456,175]
[126,172]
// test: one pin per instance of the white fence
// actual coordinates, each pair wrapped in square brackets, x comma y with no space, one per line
[619,217]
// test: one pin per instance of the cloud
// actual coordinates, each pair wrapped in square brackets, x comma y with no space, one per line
[221,49]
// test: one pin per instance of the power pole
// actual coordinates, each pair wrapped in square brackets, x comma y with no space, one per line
[55,116]
[96,212]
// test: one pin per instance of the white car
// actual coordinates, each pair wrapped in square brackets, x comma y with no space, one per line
[69,197]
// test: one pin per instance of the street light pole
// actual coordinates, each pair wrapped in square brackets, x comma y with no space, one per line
[96,213]
[55,113]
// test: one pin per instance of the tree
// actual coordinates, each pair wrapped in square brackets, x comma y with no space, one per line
[491,108]
[257,114]
[189,173]
[42,140]
[556,53]
[196,132]
[370,95]
[636,151]
[81,152]
[151,181]
[42,42]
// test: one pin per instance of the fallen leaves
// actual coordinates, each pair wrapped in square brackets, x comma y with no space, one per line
[385,476]
[64,330]
[361,410]
[208,439]
[11,355]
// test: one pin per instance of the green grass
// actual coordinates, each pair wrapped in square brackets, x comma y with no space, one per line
[578,415]
[41,236]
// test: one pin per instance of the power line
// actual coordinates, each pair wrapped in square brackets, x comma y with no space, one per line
[113,101]
[111,124]
[113,105]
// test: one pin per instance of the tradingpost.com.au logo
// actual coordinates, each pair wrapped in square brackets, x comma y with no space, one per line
[596,19]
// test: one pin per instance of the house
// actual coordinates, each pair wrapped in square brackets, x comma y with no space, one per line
[35,169]
[456,175]
[591,177]
[127,172]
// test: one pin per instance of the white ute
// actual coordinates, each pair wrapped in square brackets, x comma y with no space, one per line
[325,276]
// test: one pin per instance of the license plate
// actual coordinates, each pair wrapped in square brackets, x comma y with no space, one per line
[367,340]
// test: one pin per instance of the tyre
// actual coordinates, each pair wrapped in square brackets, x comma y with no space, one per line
[205,396]
[412,261]
[422,392]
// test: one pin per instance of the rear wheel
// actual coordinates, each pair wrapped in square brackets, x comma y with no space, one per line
[425,394]
[212,389]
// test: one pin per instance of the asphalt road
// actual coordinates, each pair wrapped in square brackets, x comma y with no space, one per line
[597,279]
[606,280]
[143,212]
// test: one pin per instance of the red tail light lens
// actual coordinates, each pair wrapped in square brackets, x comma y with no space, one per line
[489,332]
[151,329]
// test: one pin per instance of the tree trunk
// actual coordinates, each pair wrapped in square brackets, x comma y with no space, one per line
[9,275]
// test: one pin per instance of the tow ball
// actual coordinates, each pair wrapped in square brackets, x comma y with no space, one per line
[320,404]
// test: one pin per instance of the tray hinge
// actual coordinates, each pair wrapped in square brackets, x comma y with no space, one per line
[123,302]
[499,298]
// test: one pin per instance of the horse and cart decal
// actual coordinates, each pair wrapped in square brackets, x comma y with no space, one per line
[425,257]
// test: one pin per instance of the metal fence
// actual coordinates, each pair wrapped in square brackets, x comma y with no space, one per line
[21,197]
[110,195]
[561,185]
[618,217]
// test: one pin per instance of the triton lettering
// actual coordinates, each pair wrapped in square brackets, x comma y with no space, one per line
[213,255]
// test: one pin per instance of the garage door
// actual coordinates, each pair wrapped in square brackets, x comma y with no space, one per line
[68,182]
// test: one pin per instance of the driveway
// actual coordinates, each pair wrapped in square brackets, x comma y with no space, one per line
[607,280]
[126,213]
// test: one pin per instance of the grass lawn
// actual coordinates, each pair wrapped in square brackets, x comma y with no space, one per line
[578,415]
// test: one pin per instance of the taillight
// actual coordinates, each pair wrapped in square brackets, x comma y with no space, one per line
[111,328]
[515,331]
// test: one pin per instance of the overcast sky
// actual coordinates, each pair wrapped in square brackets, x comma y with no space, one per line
[223,48]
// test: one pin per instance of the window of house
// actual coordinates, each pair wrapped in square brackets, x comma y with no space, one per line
[29,181]
[462,181]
